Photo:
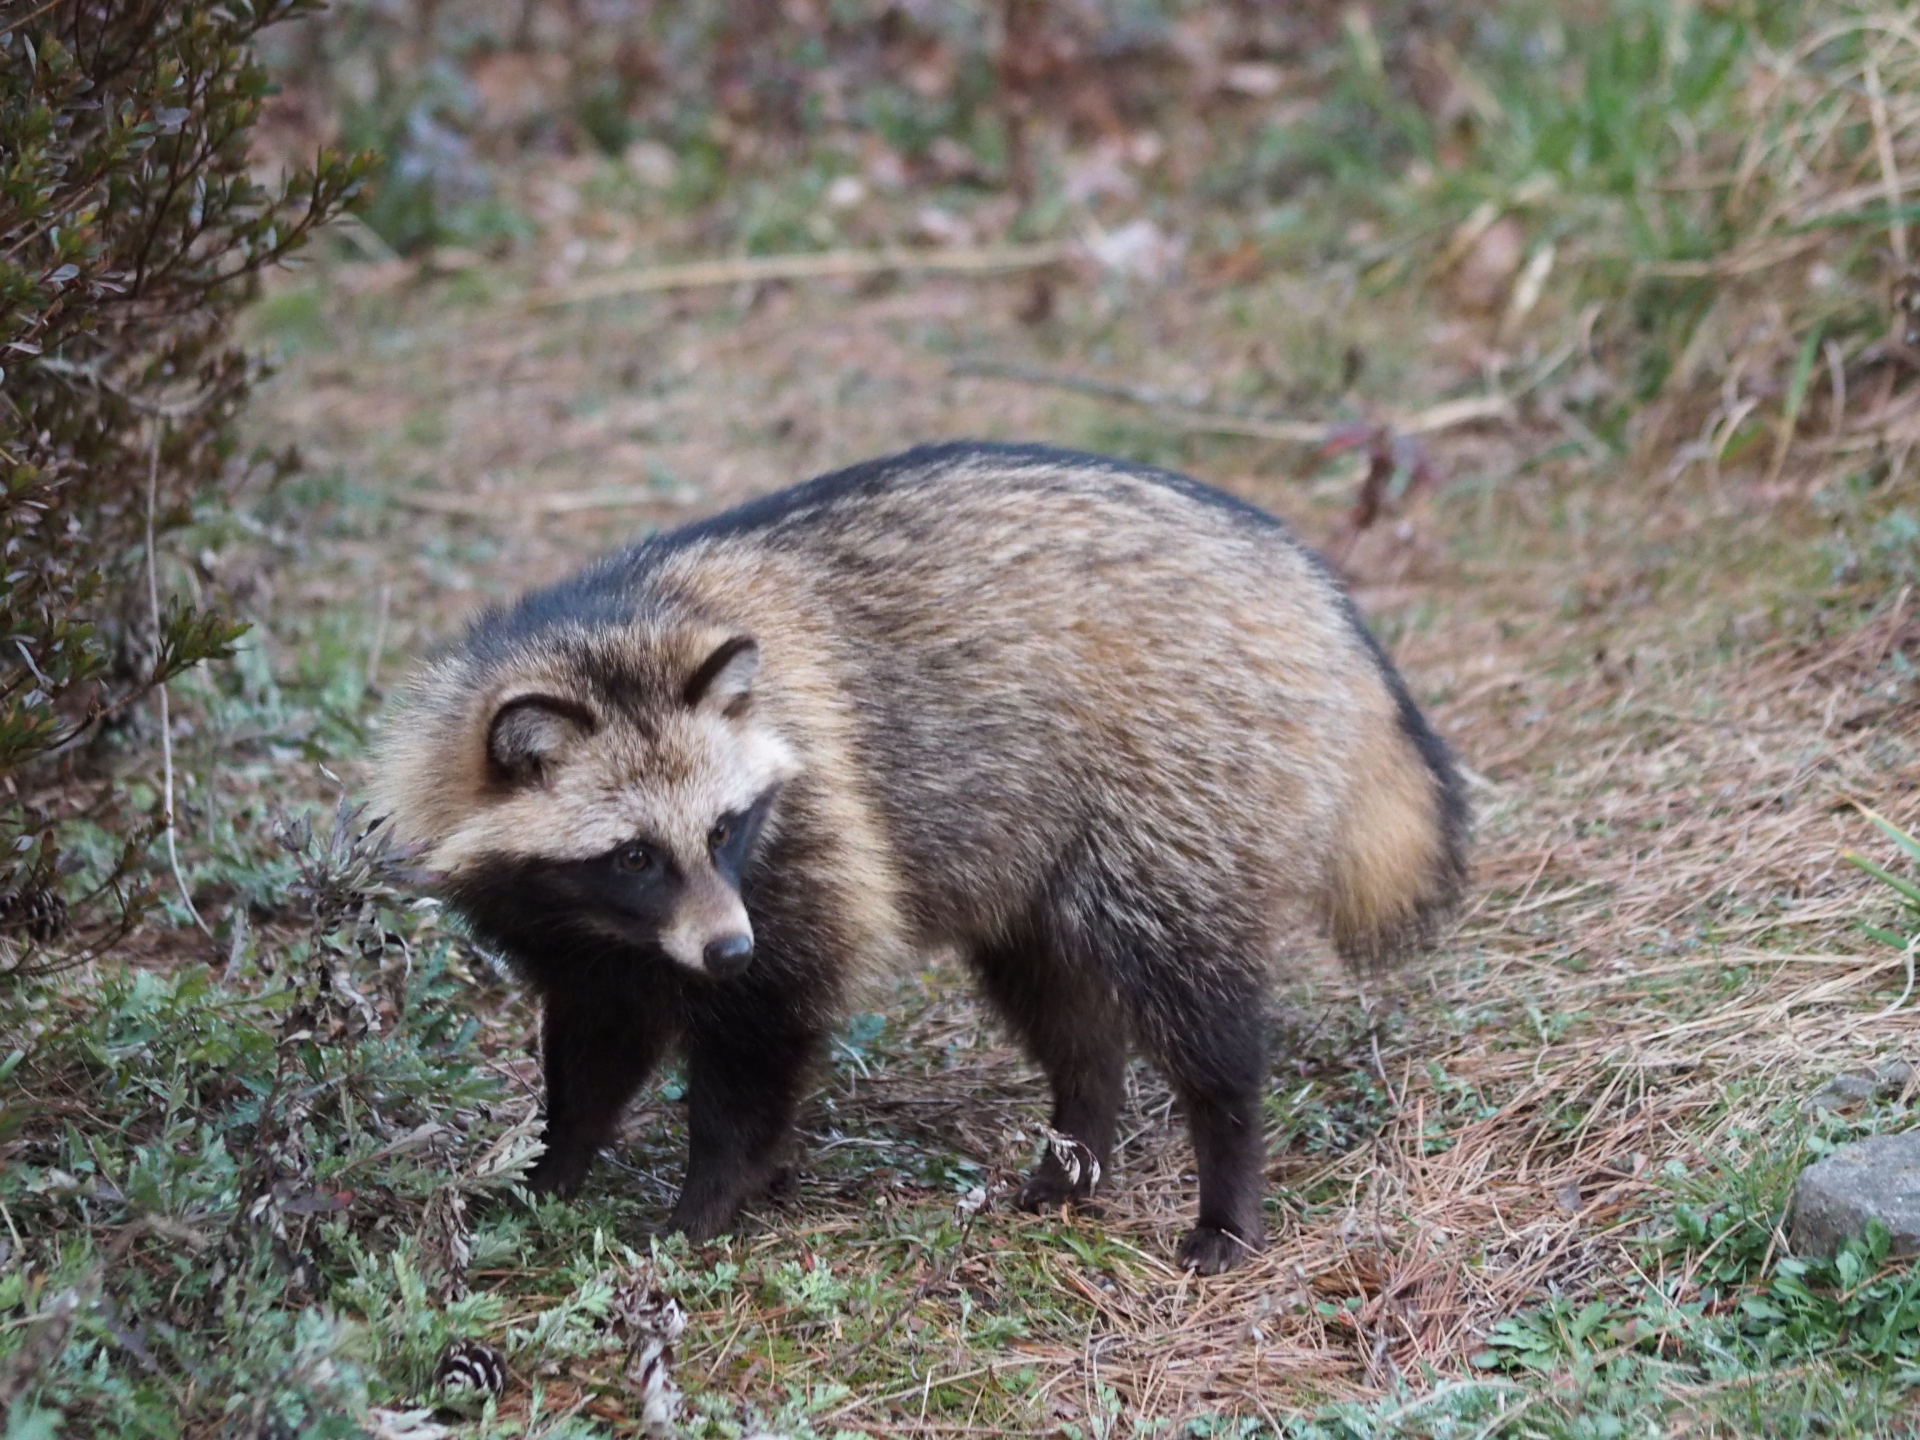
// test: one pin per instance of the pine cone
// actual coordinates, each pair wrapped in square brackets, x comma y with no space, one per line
[446,1245]
[471,1365]
[650,1321]
[38,914]
[638,1314]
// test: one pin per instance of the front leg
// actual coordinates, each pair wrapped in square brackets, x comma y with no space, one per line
[597,1049]
[745,1082]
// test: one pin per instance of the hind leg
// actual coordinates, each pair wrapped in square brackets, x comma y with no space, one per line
[1071,1026]
[1210,1039]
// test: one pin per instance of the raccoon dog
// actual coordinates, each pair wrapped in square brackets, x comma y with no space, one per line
[1108,733]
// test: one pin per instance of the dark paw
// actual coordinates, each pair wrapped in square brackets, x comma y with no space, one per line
[1208,1251]
[485,1206]
[555,1178]
[1049,1190]
[702,1222]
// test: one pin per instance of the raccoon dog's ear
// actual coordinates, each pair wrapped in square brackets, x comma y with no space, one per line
[529,732]
[725,678]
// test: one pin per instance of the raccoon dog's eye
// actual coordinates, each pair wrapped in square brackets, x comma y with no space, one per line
[720,834]
[634,859]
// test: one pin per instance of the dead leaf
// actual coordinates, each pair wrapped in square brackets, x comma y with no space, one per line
[1489,265]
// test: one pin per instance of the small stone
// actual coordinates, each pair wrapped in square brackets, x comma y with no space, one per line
[1895,1076]
[652,164]
[1844,1090]
[1877,1178]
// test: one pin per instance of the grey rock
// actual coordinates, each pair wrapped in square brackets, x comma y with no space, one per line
[1857,1087]
[1874,1178]
[1844,1090]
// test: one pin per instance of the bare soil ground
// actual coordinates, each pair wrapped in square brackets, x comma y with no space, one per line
[1668,704]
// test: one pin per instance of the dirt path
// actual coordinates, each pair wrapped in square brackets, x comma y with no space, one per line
[1666,704]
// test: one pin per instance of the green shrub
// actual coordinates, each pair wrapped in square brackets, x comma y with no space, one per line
[130,233]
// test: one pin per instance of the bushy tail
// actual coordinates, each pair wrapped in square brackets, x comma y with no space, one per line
[1400,866]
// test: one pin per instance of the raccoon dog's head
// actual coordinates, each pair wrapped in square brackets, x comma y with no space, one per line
[599,797]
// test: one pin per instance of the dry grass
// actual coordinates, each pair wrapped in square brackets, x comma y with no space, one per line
[1670,700]
[1656,958]
[1828,165]
[1657,591]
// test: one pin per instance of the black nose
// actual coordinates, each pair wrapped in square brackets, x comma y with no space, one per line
[728,956]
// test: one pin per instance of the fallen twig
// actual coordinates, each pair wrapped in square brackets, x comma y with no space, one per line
[555,502]
[755,269]
[1390,456]
[1188,416]
[160,688]
[1889,169]
[1749,259]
